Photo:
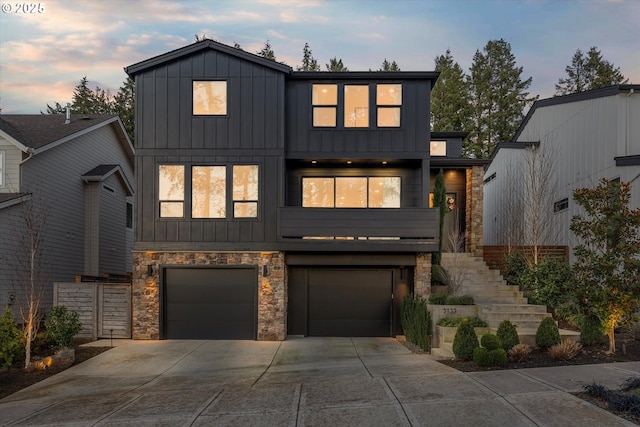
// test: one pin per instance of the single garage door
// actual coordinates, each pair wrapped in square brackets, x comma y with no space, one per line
[210,303]
[341,302]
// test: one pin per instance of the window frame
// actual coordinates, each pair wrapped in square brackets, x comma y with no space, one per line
[226,98]
[236,202]
[224,192]
[385,106]
[316,106]
[345,86]
[168,202]
[129,215]
[561,205]
[368,187]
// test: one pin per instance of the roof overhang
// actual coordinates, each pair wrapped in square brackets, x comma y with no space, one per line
[116,169]
[12,199]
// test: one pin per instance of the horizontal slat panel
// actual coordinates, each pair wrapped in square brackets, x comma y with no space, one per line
[413,223]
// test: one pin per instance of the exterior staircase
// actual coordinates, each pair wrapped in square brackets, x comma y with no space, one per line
[496,300]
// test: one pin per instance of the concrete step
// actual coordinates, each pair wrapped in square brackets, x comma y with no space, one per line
[514,317]
[509,308]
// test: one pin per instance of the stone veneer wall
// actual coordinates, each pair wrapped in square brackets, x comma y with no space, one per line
[272,289]
[474,210]
[422,275]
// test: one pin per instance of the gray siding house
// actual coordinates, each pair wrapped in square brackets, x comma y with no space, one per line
[274,202]
[585,136]
[80,175]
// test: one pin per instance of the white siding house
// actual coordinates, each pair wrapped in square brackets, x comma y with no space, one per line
[589,136]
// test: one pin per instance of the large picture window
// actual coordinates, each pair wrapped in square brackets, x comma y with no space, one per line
[209,98]
[356,106]
[351,192]
[208,192]
[389,100]
[325,101]
[171,191]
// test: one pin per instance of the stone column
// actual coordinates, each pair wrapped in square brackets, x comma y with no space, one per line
[422,275]
[474,210]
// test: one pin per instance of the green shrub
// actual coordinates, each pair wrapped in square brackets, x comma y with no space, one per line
[438,299]
[459,300]
[490,342]
[10,340]
[485,358]
[508,335]
[515,264]
[590,330]
[475,322]
[438,274]
[416,321]
[62,326]
[547,282]
[547,334]
[465,341]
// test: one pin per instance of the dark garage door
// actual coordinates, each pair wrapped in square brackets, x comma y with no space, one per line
[210,303]
[341,302]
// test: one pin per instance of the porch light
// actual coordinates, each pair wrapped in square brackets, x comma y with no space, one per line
[265,270]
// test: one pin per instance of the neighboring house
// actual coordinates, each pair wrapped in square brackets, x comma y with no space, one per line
[80,172]
[588,136]
[273,202]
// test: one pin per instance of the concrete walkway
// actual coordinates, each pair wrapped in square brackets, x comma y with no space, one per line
[304,382]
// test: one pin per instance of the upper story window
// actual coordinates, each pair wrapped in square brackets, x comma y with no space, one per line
[209,98]
[356,106]
[325,103]
[351,192]
[389,101]
[171,191]
[1,168]
[245,191]
[438,148]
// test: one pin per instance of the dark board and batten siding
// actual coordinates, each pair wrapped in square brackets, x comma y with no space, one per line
[410,140]
[252,132]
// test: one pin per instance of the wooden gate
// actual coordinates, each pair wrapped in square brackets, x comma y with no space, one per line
[104,308]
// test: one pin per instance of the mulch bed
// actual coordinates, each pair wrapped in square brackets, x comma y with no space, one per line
[15,378]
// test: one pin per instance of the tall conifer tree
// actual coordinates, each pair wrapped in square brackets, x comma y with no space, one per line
[450,108]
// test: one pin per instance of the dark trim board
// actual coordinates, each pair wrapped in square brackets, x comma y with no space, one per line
[201,302]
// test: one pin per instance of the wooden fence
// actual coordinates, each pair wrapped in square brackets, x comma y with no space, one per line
[494,255]
[104,308]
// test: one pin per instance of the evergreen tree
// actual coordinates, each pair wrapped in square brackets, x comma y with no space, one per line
[124,106]
[309,63]
[498,98]
[267,52]
[450,108]
[389,66]
[440,201]
[85,100]
[336,64]
[589,72]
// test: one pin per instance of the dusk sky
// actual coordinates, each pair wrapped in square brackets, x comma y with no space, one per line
[44,52]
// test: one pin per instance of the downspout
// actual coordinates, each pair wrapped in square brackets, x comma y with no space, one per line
[30,152]
[628,130]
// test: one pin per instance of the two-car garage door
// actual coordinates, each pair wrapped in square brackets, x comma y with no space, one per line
[210,303]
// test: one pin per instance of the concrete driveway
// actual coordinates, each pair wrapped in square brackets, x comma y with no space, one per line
[303,382]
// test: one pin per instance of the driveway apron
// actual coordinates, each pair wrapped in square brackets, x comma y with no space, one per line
[303,382]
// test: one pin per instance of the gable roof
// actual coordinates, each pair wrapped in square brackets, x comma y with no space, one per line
[574,97]
[176,54]
[102,172]
[40,132]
